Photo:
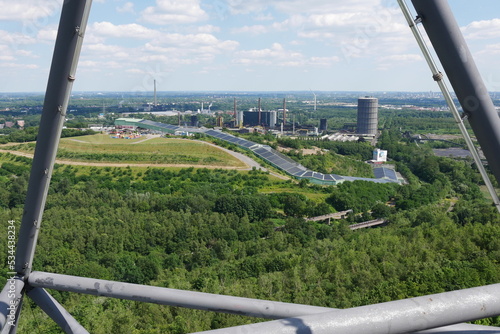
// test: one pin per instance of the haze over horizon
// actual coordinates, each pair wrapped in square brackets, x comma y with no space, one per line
[235,45]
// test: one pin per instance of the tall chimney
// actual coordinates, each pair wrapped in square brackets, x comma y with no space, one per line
[284,111]
[235,114]
[155,103]
[260,115]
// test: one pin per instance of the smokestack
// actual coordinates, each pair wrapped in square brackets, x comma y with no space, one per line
[260,115]
[155,103]
[235,113]
[284,111]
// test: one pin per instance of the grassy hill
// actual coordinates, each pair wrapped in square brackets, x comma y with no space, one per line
[103,148]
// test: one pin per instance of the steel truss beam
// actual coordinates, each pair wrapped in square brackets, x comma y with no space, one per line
[458,63]
[158,295]
[463,329]
[438,77]
[416,314]
[56,312]
[67,49]
[402,316]
[69,41]
[10,305]
[199,300]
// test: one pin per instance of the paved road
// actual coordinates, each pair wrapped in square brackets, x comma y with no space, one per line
[251,163]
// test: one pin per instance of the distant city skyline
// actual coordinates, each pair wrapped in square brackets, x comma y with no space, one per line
[236,45]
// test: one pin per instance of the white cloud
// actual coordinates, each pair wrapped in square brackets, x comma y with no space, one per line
[490,50]
[263,17]
[244,7]
[253,30]
[5,53]
[48,34]
[188,41]
[174,12]
[482,29]
[300,6]
[323,61]
[19,65]
[127,7]
[28,11]
[208,29]
[133,30]
[277,55]
[347,24]
[169,50]
[25,53]
[135,71]
[402,58]
[317,35]
[322,6]
[87,63]
[14,38]
[391,61]
[106,51]
[14,46]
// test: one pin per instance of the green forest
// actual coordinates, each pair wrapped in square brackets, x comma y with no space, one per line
[243,233]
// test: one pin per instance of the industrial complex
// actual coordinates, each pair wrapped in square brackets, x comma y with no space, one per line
[275,158]
[366,127]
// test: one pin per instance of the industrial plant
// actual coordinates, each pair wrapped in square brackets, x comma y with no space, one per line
[273,157]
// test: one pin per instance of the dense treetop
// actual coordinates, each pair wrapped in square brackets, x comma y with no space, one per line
[244,234]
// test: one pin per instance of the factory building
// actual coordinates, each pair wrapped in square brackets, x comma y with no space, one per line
[134,123]
[126,123]
[267,119]
[367,116]
[323,124]
[194,121]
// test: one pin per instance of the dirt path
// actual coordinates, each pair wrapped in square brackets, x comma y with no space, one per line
[148,137]
[117,164]
[79,141]
[249,162]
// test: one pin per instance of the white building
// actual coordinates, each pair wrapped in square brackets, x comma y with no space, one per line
[379,155]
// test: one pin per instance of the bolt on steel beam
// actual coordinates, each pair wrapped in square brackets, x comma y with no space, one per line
[69,40]
[402,316]
[461,70]
[172,297]
[67,49]
[189,299]
[438,77]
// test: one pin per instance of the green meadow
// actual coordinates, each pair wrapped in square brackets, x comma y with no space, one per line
[103,148]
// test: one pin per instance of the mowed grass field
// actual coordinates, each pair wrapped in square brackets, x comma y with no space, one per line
[103,148]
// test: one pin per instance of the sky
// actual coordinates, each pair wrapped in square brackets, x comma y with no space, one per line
[238,45]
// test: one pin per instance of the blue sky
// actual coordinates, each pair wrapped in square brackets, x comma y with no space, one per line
[238,45]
